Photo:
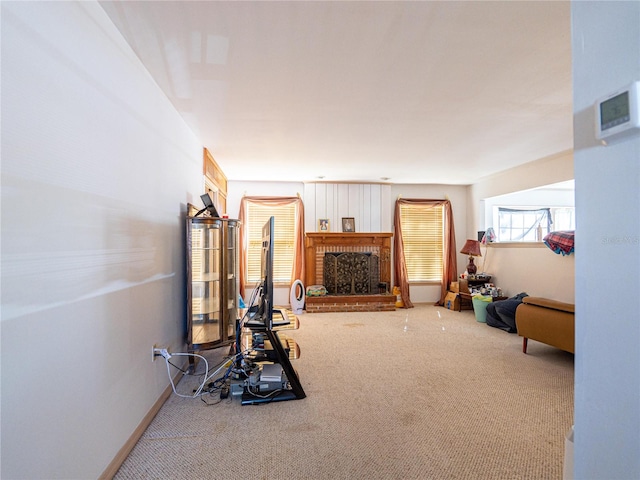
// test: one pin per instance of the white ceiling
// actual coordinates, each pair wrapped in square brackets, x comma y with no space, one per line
[411,92]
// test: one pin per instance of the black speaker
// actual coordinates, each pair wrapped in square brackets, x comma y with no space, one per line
[480,235]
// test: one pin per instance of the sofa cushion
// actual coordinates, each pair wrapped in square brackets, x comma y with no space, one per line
[547,303]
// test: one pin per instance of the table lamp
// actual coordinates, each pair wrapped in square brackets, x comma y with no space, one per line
[471,248]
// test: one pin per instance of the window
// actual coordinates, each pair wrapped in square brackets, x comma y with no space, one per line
[563,218]
[284,240]
[423,238]
[531,224]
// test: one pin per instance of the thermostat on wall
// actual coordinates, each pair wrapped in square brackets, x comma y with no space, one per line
[617,114]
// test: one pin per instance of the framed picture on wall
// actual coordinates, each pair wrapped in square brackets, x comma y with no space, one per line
[323,225]
[348,224]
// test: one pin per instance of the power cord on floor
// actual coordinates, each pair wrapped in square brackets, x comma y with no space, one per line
[206,386]
[173,385]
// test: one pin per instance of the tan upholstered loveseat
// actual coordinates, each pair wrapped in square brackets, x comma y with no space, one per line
[547,321]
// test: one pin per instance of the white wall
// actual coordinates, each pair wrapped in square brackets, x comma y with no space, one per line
[366,203]
[535,198]
[379,217]
[533,269]
[606,56]
[545,171]
[237,189]
[537,271]
[97,168]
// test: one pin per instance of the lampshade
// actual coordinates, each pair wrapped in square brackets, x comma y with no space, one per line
[472,247]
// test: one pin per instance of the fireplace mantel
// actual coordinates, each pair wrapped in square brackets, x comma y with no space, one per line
[337,238]
[317,243]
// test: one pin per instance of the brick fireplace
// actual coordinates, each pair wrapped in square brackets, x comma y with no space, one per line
[376,246]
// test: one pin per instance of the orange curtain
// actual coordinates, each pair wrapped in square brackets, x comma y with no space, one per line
[450,262]
[298,270]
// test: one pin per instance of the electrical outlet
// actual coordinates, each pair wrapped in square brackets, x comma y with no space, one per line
[159,352]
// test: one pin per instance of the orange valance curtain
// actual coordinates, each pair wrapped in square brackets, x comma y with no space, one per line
[450,262]
[298,270]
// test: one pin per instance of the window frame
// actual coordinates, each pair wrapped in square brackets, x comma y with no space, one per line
[553,214]
[283,248]
[431,275]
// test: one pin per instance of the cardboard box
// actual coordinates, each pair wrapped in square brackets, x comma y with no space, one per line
[451,301]
[454,287]
[463,284]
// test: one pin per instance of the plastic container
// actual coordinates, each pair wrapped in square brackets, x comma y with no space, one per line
[480,303]
[399,301]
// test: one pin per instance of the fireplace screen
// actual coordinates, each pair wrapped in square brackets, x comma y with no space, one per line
[350,273]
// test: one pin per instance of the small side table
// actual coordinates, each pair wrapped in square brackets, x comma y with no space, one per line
[465,300]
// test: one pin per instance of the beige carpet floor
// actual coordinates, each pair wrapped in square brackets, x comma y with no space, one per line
[423,393]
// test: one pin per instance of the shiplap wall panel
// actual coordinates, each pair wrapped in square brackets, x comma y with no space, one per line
[343,203]
[332,205]
[368,204]
[354,205]
[377,212]
[310,205]
[365,223]
[387,206]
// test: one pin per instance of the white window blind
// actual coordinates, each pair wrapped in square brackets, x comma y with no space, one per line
[283,240]
[423,238]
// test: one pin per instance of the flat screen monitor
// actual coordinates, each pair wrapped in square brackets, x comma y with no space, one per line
[265,301]
[208,205]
